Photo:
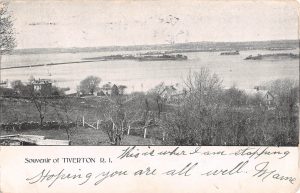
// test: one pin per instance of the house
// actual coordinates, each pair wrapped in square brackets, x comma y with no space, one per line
[72,92]
[106,89]
[168,92]
[173,93]
[111,89]
[42,86]
[267,97]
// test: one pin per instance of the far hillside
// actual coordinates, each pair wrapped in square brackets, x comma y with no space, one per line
[177,47]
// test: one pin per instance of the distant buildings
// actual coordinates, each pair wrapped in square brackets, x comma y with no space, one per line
[111,89]
[42,86]
[265,95]
[38,87]
[72,92]
[172,93]
[105,89]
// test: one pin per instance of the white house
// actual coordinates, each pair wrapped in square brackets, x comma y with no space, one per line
[174,92]
[44,86]
[264,94]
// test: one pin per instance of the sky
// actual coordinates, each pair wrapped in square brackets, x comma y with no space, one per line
[89,23]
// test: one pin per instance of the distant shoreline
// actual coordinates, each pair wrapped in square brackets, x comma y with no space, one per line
[109,58]
[50,64]
[184,47]
[273,56]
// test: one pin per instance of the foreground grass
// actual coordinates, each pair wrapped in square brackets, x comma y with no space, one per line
[20,110]
[84,136]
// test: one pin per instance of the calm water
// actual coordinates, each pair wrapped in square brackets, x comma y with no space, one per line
[144,75]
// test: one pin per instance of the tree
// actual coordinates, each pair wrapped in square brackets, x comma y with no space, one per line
[234,97]
[16,85]
[56,91]
[120,112]
[204,85]
[7,35]
[64,107]
[41,104]
[115,122]
[280,87]
[40,101]
[286,93]
[196,121]
[157,94]
[89,85]
[6,91]
[114,90]
[21,89]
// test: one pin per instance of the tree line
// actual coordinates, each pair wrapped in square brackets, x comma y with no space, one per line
[205,114]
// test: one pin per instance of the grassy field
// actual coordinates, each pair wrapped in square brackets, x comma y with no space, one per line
[84,136]
[20,110]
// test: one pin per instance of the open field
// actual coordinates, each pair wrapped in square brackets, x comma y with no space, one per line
[84,136]
[21,110]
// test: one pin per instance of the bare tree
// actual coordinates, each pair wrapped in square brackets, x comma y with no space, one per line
[7,35]
[21,89]
[64,107]
[203,84]
[280,87]
[137,112]
[41,104]
[115,119]
[194,123]
[234,97]
[157,94]
[286,97]
[39,99]
[120,113]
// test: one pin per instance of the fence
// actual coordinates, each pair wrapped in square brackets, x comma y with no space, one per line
[94,125]
[145,131]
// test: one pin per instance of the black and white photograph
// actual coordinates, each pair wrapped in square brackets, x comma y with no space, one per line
[149,73]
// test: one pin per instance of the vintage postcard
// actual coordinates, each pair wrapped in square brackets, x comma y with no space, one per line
[149,96]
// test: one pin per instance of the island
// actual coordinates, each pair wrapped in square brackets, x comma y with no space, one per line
[150,57]
[236,52]
[279,48]
[273,56]
[162,57]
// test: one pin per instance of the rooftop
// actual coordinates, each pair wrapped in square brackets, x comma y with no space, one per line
[253,92]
